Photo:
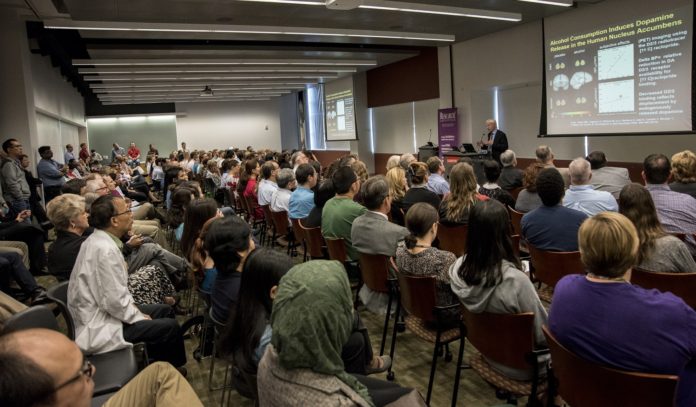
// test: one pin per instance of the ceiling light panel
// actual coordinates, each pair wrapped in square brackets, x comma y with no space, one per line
[100,91]
[250,69]
[204,78]
[167,62]
[562,3]
[126,84]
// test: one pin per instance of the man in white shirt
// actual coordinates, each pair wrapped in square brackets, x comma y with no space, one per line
[582,196]
[268,185]
[106,316]
[280,201]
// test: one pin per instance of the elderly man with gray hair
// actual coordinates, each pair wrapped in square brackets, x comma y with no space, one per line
[582,196]
[510,175]
[280,200]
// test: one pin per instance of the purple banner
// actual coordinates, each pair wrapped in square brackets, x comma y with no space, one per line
[447,130]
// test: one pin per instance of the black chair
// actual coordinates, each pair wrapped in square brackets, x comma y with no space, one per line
[38,316]
[115,368]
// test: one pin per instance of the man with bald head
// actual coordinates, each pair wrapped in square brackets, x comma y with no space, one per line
[43,367]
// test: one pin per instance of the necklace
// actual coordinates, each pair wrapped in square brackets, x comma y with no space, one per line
[423,246]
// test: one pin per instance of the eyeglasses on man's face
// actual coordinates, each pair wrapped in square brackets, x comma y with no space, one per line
[87,370]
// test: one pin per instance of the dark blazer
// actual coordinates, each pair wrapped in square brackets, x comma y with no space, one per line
[500,144]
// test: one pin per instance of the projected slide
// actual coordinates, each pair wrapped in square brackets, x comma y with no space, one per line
[625,74]
[340,118]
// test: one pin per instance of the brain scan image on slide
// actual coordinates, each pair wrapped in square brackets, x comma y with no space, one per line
[560,82]
[580,78]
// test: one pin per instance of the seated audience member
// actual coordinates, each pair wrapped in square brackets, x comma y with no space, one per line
[172,175]
[181,198]
[684,173]
[416,256]
[455,207]
[42,367]
[552,226]
[361,171]
[12,268]
[396,177]
[37,210]
[312,370]
[392,162]
[491,188]
[302,198]
[280,200]
[405,162]
[653,332]
[17,229]
[141,211]
[268,185]
[676,211]
[202,264]
[340,211]
[658,251]
[436,181]
[323,192]
[247,185]
[106,316]
[489,277]
[419,192]
[372,233]
[74,186]
[604,178]
[197,213]
[582,196]
[545,156]
[298,158]
[528,199]
[228,242]
[510,175]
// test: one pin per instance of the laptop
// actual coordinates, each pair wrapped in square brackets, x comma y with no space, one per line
[468,148]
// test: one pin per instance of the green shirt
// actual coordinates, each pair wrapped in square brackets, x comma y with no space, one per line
[337,219]
[116,240]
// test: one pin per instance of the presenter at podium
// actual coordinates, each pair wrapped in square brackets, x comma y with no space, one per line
[495,142]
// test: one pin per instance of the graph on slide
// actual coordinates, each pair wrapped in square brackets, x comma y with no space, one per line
[616,96]
[615,62]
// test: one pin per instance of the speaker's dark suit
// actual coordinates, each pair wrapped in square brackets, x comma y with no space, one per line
[500,144]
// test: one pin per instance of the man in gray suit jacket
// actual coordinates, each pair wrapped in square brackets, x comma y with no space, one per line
[610,179]
[372,233]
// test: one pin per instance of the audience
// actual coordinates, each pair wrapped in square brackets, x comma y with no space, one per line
[582,196]
[51,173]
[676,211]
[15,189]
[416,256]
[455,207]
[280,200]
[510,175]
[658,251]
[105,314]
[545,156]
[604,178]
[528,199]
[603,318]
[17,228]
[302,198]
[489,277]
[419,192]
[340,211]
[322,195]
[684,173]
[37,210]
[491,188]
[436,182]
[398,185]
[552,226]
[12,268]
[392,162]
[268,185]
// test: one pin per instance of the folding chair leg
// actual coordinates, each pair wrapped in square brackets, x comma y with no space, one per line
[386,325]
[458,373]
[433,365]
[390,374]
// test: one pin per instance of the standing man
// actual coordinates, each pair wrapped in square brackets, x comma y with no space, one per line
[69,155]
[84,153]
[51,173]
[496,143]
[14,184]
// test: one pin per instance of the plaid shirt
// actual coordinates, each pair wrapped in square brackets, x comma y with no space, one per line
[676,211]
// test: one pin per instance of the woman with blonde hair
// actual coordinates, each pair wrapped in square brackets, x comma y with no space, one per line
[392,162]
[659,251]
[396,179]
[684,173]
[455,207]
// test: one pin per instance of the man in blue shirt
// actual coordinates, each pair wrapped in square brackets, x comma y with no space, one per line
[552,226]
[582,196]
[436,182]
[302,199]
[51,173]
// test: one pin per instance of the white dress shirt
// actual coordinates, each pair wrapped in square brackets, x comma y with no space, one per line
[280,201]
[98,296]
[266,190]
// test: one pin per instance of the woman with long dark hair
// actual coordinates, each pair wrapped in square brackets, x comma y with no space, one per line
[658,251]
[228,242]
[198,212]
[247,186]
[489,277]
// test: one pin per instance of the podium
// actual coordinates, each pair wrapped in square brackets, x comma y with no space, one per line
[426,152]
[452,157]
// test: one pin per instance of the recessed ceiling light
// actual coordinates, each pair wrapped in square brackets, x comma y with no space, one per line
[563,3]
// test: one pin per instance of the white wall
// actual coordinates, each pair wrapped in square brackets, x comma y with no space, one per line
[224,124]
[511,62]
[393,126]
[53,95]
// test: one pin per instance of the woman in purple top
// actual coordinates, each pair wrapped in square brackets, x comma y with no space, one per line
[603,318]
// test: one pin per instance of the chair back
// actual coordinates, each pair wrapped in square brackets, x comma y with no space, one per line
[38,316]
[374,269]
[299,233]
[516,221]
[314,240]
[251,206]
[268,216]
[280,221]
[452,238]
[337,249]
[507,339]
[549,267]
[515,192]
[418,295]
[59,295]
[610,387]
[210,187]
[682,285]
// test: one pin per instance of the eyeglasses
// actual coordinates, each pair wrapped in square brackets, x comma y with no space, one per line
[15,145]
[127,211]
[86,370]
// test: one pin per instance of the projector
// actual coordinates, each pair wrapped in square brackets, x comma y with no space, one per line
[343,4]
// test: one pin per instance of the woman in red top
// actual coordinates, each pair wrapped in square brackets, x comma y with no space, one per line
[247,186]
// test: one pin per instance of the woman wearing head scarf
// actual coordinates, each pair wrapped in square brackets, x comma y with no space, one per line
[312,319]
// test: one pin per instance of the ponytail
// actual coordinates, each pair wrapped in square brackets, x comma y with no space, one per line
[410,241]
